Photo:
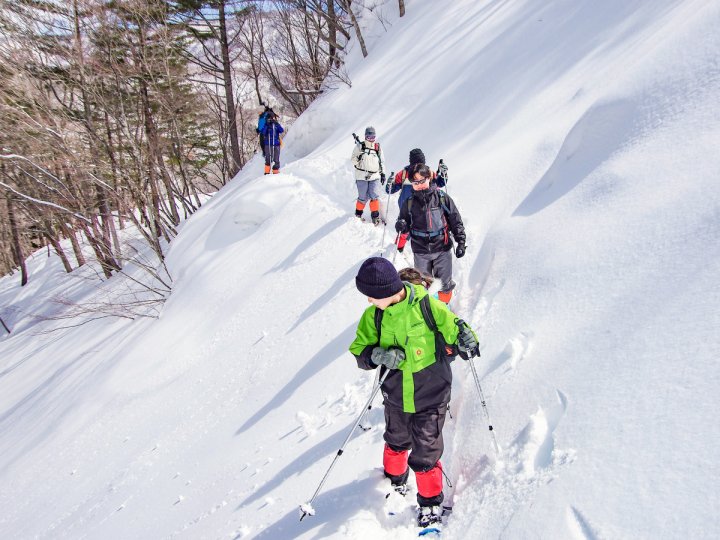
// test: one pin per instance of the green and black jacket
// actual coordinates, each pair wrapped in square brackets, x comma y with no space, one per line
[421,381]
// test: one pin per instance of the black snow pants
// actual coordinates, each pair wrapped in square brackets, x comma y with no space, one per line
[419,432]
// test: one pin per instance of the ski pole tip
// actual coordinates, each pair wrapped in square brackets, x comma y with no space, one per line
[306,509]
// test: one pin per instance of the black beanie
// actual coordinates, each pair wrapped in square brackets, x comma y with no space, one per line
[377,278]
[416,156]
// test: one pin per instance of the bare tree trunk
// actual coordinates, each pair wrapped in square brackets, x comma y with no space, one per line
[97,248]
[70,234]
[56,245]
[401,4]
[356,25]
[229,97]
[17,248]
[109,234]
[108,225]
[332,33]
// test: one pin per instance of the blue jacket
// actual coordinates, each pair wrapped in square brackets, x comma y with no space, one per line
[261,121]
[271,131]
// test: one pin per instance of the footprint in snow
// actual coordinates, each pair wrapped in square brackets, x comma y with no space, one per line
[533,450]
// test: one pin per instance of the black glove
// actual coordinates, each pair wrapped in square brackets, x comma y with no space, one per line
[382,178]
[401,226]
[388,188]
[467,344]
[460,250]
[390,358]
[442,170]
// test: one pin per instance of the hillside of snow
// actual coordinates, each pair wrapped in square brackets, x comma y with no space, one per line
[582,143]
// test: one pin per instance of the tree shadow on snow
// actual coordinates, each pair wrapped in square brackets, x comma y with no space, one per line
[322,358]
[333,509]
[320,453]
[315,237]
[320,302]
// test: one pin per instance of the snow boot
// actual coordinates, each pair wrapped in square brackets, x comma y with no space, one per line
[399,482]
[267,169]
[359,207]
[428,515]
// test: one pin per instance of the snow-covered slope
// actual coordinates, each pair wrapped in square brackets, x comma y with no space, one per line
[582,144]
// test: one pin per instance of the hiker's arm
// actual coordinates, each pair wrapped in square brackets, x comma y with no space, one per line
[366,339]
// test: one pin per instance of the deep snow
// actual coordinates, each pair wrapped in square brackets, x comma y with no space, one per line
[582,144]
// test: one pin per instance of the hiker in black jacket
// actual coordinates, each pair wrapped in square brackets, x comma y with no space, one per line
[430,215]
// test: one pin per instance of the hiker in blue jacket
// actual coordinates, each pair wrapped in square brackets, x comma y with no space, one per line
[272,133]
[262,117]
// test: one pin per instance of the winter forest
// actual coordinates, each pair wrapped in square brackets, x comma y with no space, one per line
[177,319]
[121,109]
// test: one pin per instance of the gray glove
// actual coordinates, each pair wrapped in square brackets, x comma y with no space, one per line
[390,358]
[468,345]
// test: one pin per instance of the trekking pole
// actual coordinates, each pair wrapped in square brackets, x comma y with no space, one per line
[396,251]
[484,406]
[306,509]
[387,209]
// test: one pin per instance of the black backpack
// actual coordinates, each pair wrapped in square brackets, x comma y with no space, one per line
[445,213]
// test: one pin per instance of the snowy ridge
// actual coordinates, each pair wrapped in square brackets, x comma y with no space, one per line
[581,140]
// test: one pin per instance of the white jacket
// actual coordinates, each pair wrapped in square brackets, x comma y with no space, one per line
[367,162]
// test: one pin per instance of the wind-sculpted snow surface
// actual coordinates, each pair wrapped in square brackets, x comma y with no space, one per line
[581,140]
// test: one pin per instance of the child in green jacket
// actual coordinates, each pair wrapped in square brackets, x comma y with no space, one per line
[417,389]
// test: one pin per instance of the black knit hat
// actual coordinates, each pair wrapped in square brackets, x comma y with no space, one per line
[377,278]
[416,156]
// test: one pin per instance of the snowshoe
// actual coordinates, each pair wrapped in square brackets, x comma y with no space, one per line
[402,489]
[429,515]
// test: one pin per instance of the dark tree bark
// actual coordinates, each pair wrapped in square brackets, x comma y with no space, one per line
[229,96]
[70,234]
[17,248]
[356,25]
[52,238]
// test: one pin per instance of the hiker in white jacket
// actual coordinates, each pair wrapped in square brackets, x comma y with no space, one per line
[367,160]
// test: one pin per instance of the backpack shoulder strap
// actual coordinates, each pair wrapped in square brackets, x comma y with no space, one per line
[427,314]
[443,201]
[443,351]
